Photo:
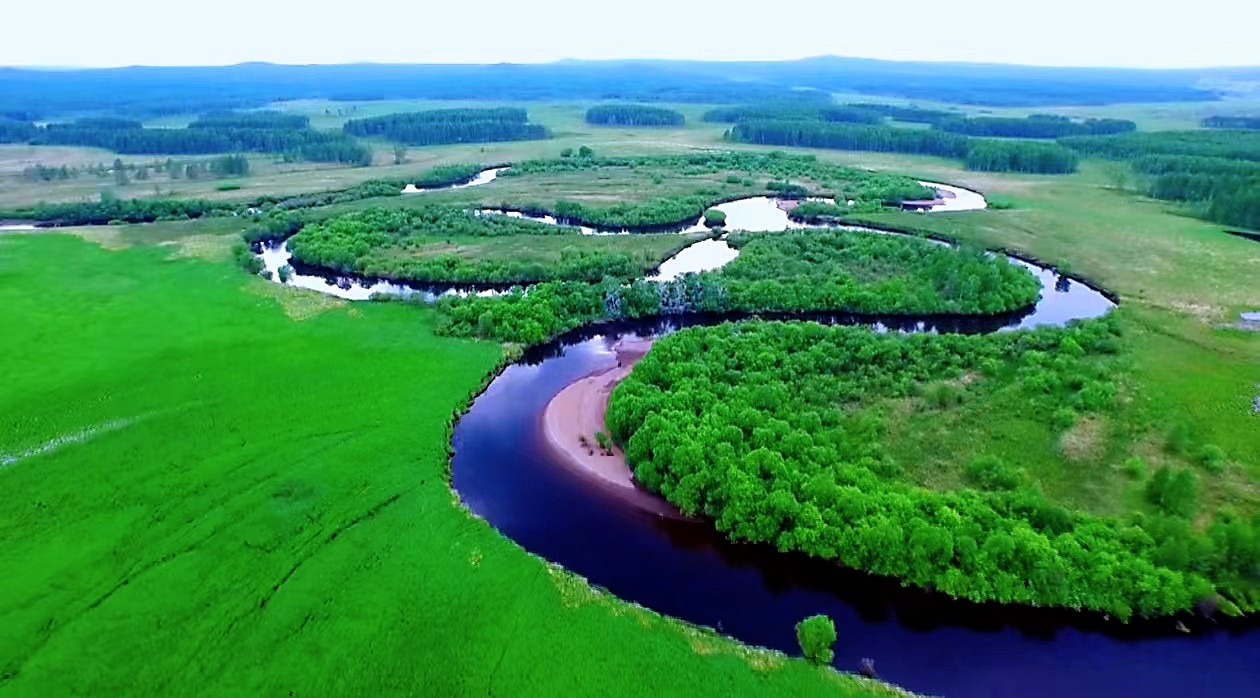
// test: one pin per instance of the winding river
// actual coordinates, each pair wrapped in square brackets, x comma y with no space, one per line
[504,471]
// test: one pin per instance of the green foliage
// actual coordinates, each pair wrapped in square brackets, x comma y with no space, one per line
[246,259]
[1173,491]
[441,126]
[1213,459]
[1034,126]
[816,635]
[633,115]
[989,155]
[816,270]
[714,218]
[447,244]
[1135,468]
[780,453]
[992,473]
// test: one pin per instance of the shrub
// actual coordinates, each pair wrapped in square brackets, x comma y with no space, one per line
[714,218]
[1177,440]
[1172,492]
[943,396]
[816,635]
[1212,458]
[1064,417]
[992,473]
[1135,468]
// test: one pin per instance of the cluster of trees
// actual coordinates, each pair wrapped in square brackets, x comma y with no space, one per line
[206,137]
[109,209]
[442,126]
[270,120]
[824,270]
[1034,126]
[1216,174]
[818,134]
[1015,156]
[854,114]
[815,271]
[448,175]
[992,156]
[908,114]
[1235,122]
[761,428]
[633,115]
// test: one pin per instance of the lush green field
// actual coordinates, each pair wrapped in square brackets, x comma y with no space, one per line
[216,486]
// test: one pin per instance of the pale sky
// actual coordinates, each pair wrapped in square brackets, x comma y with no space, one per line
[1153,33]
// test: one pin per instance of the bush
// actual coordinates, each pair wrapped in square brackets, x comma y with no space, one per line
[1172,492]
[714,218]
[246,259]
[816,635]
[1177,440]
[1064,417]
[992,473]
[1135,468]
[1212,458]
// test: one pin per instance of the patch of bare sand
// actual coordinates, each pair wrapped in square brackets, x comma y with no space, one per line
[576,414]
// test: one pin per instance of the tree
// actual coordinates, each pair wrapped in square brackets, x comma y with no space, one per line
[816,635]
[400,154]
[585,152]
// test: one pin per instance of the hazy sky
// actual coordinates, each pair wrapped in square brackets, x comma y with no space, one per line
[1058,32]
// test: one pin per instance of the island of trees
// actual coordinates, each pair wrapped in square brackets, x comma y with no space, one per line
[633,115]
[443,126]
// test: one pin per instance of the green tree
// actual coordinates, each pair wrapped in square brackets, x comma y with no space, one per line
[816,635]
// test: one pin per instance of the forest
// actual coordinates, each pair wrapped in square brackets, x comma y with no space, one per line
[1215,174]
[855,114]
[215,135]
[1014,156]
[771,431]
[813,271]
[633,115]
[991,155]
[443,126]
[1034,126]
[1234,122]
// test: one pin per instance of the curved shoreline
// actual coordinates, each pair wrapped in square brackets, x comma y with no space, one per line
[574,416]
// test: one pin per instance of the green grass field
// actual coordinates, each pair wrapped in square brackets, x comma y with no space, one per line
[216,486]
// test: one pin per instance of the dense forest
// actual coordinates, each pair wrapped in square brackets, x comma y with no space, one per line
[993,156]
[1034,126]
[214,134]
[1013,156]
[442,126]
[811,134]
[1216,174]
[1234,122]
[908,114]
[772,430]
[855,114]
[633,115]
[817,270]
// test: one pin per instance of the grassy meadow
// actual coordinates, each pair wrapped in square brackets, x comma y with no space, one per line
[217,486]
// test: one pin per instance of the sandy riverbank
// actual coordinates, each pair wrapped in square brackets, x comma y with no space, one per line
[576,414]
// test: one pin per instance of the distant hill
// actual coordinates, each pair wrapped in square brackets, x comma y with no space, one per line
[156,90]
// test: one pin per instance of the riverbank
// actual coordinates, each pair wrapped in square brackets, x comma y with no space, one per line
[572,419]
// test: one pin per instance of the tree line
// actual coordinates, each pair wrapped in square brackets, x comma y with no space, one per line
[1034,126]
[1028,157]
[1233,122]
[770,431]
[854,114]
[1215,174]
[633,115]
[131,138]
[443,126]
[263,119]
